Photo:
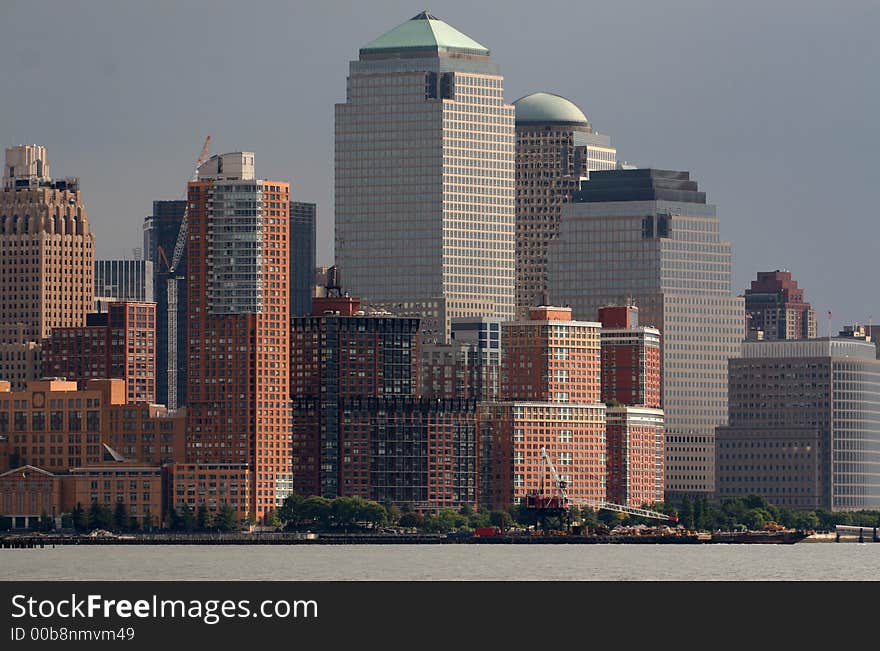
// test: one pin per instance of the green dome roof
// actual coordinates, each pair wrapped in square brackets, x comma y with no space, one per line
[424,32]
[547,108]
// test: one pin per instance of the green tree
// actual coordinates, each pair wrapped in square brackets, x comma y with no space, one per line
[290,512]
[806,520]
[66,521]
[133,523]
[271,518]
[699,513]
[46,523]
[480,518]
[79,518]
[175,520]
[187,519]
[100,516]
[5,523]
[500,519]
[228,519]
[392,512]
[318,510]
[589,517]
[204,519]
[374,513]
[687,512]
[411,519]
[344,511]
[756,518]
[148,522]
[120,516]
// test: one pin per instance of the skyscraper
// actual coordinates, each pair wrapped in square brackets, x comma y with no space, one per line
[238,390]
[46,247]
[302,257]
[425,176]
[775,307]
[160,236]
[804,426]
[46,260]
[556,148]
[648,237]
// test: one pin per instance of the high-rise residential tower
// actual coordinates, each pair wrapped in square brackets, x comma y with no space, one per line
[556,148]
[46,260]
[550,387]
[776,308]
[648,237]
[238,404]
[302,257]
[425,176]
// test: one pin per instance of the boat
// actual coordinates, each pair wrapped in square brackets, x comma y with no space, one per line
[779,537]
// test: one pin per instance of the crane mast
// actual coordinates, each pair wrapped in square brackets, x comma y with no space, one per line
[172,286]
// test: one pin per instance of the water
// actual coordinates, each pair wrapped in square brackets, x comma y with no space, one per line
[800,562]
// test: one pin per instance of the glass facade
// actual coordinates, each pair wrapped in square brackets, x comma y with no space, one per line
[648,237]
[235,260]
[425,183]
[804,425]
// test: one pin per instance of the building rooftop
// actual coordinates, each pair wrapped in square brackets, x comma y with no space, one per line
[424,32]
[548,108]
[644,184]
[820,347]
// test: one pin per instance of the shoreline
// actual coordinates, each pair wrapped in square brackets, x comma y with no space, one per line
[29,541]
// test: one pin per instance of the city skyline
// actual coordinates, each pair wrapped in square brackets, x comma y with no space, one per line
[740,95]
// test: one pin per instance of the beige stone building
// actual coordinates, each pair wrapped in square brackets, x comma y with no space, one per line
[556,148]
[425,178]
[46,258]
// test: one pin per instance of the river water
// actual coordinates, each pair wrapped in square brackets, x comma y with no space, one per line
[617,562]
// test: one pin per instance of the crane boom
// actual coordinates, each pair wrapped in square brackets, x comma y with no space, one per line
[181,234]
[597,504]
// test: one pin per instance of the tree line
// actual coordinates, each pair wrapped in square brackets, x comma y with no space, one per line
[314,513]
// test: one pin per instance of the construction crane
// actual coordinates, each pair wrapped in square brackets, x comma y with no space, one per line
[180,242]
[181,234]
[559,504]
[172,287]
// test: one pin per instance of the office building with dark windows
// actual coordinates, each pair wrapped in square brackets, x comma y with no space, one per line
[647,237]
[804,425]
[303,220]
[161,231]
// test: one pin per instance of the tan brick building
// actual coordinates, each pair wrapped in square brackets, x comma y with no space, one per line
[55,426]
[137,486]
[212,485]
[46,258]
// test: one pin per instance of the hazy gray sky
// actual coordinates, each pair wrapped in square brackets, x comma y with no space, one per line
[772,106]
